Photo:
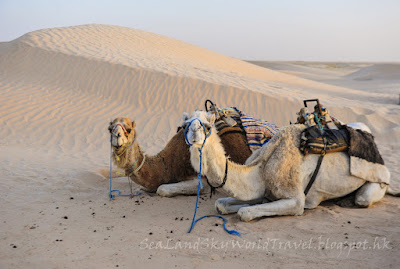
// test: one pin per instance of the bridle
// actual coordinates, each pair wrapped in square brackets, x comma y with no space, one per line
[127,136]
[200,185]
[117,156]
[204,129]
[200,150]
[223,181]
[123,129]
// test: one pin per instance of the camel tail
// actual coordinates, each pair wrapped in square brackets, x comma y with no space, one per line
[393,192]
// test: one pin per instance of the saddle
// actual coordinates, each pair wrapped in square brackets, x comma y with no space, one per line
[227,119]
[317,141]
[324,134]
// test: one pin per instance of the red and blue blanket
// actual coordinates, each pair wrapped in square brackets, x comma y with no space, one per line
[258,132]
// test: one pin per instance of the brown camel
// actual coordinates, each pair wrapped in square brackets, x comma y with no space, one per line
[171,164]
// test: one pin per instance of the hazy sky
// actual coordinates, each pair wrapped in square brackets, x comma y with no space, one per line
[309,30]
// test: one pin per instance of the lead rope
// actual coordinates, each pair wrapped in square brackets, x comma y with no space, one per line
[318,121]
[200,185]
[118,191]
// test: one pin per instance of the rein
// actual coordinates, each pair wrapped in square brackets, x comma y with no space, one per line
[223,181]
[117,157]
[200,185]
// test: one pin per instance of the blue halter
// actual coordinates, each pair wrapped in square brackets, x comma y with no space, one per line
[200,185]
[111,196]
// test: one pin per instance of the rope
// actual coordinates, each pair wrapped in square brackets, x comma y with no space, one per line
[118,191]
[317,120]
[140,166]
[200,185]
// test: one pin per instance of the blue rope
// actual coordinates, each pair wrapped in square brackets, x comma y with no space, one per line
[118,191]
[200,185]
[317,120]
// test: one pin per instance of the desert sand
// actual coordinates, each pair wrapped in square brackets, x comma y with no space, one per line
[59,88]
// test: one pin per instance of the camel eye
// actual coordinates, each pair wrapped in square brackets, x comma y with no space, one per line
[110,129]
[128,130]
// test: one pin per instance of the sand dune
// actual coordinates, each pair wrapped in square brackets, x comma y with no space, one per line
[377,71]
[60,87]
[382,78]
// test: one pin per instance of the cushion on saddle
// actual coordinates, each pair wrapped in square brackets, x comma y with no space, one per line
[362,145]
[258,132]
[227,117]
[316,141]
[365,160]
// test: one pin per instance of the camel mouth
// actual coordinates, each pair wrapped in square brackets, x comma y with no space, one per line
[118,148]
[195,142]
[124,146]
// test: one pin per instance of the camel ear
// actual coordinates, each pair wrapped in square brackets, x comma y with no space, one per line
[110,126]
[133,124]
[185,116]
[211,118]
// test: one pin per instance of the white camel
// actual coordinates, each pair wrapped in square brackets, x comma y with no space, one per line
[278,172]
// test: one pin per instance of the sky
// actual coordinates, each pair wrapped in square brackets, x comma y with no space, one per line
[285,30]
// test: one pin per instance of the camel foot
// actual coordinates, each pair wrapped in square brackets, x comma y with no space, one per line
[283,207]
[245,214]
[225,208]
[369,194]
[188,187]
[393,192]
[230,205]
[166,191]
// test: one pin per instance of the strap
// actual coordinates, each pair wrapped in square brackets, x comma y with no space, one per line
[314,176]
[230,130]
[223,182]
[140,166]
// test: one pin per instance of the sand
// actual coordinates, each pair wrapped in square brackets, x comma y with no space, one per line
[59,88]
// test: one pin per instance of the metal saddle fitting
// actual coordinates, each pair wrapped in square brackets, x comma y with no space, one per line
[223,116]
[320,116]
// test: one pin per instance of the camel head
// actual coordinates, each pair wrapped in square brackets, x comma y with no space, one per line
[122,133]
[197,126]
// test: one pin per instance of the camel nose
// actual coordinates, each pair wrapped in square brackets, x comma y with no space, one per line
[116,141]
[195,139]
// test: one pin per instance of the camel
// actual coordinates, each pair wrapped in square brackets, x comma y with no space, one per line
[169,172]
[278,172]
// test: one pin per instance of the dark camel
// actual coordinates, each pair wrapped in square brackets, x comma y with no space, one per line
[171,164]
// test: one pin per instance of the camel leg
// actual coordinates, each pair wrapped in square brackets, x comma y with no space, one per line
[188,187]
[230,205]
[370,193]
[313,200]
[393,192]
[291,206]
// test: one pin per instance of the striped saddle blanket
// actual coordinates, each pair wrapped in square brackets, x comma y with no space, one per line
[258,132]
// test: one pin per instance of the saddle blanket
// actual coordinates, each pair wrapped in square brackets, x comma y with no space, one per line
[258,132]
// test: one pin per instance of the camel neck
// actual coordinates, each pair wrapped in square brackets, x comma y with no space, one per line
[170,165]
[140,159]
[240,182]
[147,169]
